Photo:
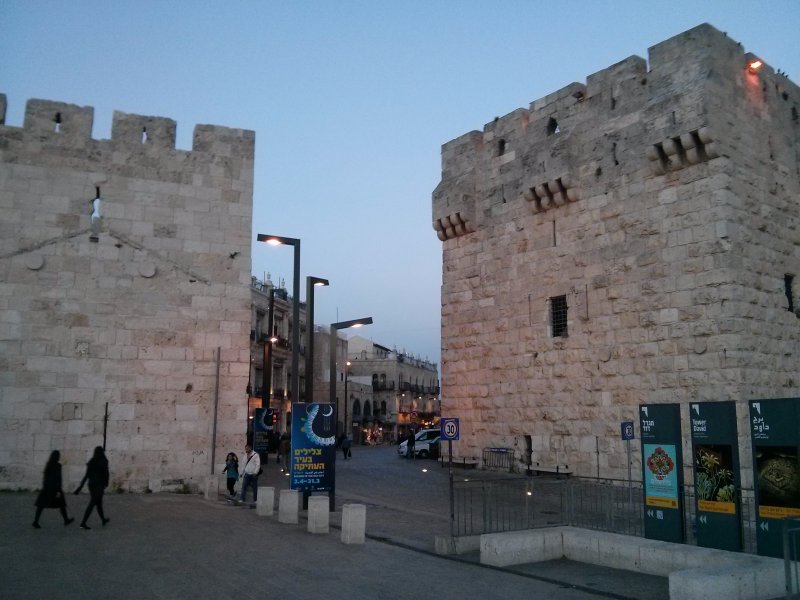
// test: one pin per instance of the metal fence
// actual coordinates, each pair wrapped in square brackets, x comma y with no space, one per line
[613,505]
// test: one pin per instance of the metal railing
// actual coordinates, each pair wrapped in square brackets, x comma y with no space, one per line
[613,505]
[498,458]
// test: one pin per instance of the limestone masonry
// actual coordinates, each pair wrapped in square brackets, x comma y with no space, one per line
[122,302]
[631,240]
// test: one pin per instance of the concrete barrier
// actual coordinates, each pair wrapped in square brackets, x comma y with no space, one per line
[265,506]
[354,523]
[289,506]
[693,572]
[318,514]
[462,544]
[211,488]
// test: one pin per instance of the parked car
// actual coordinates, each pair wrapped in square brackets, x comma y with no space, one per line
[424,440]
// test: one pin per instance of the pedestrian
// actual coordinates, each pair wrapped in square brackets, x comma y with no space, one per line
[97,476]
[250,473]
[52,494]
[347,441]
[410,445]
[285,450]
[232,472]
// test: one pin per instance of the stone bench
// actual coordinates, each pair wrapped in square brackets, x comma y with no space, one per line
[693,572]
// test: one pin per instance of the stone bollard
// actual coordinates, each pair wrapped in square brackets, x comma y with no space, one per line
[289,506]
[212,487]
[265,506]
[354,523]
[318,514]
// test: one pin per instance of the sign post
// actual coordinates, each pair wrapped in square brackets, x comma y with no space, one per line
[627,434]
[715,449]
[775,429]
[450,431]
[662,471]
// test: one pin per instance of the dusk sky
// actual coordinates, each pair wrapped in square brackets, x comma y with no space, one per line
[351,102]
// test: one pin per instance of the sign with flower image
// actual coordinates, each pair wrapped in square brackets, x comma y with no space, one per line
[661,484]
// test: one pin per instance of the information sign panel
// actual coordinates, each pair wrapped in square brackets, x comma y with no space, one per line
[775,431]
[313,447]
[262,425]
[662,472]
[715,449]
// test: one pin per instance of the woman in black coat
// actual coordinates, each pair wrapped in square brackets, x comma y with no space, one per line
[51,495]
[97,476]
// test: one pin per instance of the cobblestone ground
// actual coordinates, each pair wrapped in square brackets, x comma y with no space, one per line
[181,546]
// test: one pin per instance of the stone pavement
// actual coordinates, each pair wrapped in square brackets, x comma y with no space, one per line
[181,546]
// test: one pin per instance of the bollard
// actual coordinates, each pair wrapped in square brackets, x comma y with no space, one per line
[265,506]
[289,506]
[212,487]
[354,523]
[318,514]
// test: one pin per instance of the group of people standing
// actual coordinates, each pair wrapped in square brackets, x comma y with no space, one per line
[249,473]
[52,492]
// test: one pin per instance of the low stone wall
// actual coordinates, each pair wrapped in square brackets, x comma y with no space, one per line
[693,572]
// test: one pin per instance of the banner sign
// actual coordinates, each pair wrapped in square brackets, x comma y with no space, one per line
[262,425]
[662,471]
[775,430]
[715,449]
[313,447]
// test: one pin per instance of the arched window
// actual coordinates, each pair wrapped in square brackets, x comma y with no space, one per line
[356,407]
[383,407]
[367,409]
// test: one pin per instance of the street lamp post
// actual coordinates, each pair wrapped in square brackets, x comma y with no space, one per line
[311,283]
[277,240]
[346,399]
[333,338]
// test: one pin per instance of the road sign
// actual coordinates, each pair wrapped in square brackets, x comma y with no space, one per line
[450,428]
[626,428]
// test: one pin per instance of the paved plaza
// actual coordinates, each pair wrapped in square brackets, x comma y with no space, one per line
[183,546]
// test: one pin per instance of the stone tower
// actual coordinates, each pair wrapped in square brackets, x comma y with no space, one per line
[631,240]
[124,282]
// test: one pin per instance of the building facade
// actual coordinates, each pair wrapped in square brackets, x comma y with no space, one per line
[405,389]
[124,296]
[626,241]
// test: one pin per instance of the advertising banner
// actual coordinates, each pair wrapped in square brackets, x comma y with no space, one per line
[662,472]
[262,425]
[313,447]
[715,450]
[775,430]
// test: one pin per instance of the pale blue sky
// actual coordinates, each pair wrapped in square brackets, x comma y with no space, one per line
[351,102]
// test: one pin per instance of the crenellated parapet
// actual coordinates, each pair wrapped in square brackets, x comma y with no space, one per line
[630,120]
[62,125]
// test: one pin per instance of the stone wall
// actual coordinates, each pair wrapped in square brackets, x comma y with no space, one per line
[661,201]
[128,314]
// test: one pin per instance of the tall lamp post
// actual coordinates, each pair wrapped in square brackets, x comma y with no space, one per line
[346,399]
[277,240]
[333,338]
[311,283]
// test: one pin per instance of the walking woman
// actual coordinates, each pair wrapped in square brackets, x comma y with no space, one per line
[52,496]
[97,476]
[232,470]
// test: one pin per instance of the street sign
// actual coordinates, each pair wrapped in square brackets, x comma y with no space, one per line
[450,428]
[626,428]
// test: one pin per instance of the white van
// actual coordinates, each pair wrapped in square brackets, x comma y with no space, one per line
[422,443]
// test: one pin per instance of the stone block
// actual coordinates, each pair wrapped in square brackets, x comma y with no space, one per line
[265,505]
[354,523]
[318,514]
[289,506]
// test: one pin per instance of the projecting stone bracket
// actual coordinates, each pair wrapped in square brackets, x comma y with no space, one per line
[679,152]
[451,226]
[551,194]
